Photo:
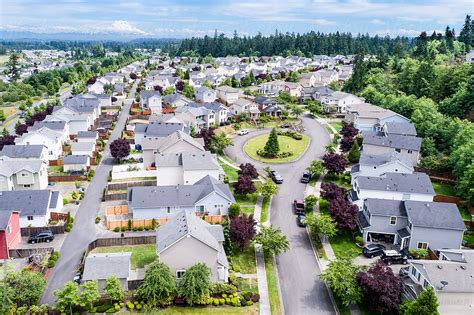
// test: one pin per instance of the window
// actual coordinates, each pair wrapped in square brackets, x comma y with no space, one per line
[425,283]
[27,186]
[418,277]
[9,229]
[413,271]
[398,150]
[410,151]
[24,174]
[393,220]
[168,209]
[422,245]
[30,218]
[406,196]
[180,273]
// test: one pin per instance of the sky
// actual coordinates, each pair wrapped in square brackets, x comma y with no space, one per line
[178,19]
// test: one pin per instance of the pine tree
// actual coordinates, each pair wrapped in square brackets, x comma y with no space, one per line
[272,147]
[354,153]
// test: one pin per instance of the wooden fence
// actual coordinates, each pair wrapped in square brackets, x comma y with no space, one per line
[27,252]
[58,216]
[125,185]
[55,162]
[111,196]
[113,223]
[121,241]
[56,229]
[449,199]
[67,178]
[116,210]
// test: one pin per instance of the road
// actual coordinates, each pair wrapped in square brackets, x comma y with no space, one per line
[302,290]
[84,230]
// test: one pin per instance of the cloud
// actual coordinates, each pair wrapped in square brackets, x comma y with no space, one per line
[398,32]
[377,21]
[121,26]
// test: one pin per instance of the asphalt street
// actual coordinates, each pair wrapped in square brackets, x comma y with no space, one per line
[302,290]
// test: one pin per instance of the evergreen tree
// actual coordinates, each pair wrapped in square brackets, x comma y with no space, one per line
[354,154]
[426,303]
[272,147]
[467,32]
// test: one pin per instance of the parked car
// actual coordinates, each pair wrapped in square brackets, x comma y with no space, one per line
[22,115]
[285,126]
[393,257]
[373,250]
[43,236]
[305,177]
[77,277]
[299,206]
[300,220]
[276,177]
[243,132]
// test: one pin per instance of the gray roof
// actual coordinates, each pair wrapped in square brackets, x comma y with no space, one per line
[80,104]
[160,144]
[75,159]
[400,128]
[174,97]
[54,125]
[393,141]
[4,219]
[380,159]
[87,134]
[323,90]
[160,129]
[54,199]
[147,94]
[82,146]
[410,183]
[440,215]
[10,167]
[28,202]
[177,196]
[214,106]
[103,266]
[385,207]
[22,151]
[188,224]
[188,160]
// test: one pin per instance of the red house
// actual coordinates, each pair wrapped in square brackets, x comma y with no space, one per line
[10,234]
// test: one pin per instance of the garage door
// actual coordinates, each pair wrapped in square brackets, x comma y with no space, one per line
[381,237]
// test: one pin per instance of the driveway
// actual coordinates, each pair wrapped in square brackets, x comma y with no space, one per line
[302,290]
[84,230]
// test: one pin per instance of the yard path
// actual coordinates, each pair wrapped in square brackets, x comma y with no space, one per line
[84,230]
[261,273]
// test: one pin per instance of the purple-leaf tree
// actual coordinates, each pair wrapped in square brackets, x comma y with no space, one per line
[248,169]
[244,185]
[242,230]
[158,88]
[330,191]
[381,288]
[7,140]
[180,85]
[346,144]
[120,148]
[344,213]
[348,130]
[334,163]
[21,129]
[206,134]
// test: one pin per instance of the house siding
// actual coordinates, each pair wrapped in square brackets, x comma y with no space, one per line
[381,224]
[437,238]
[378,150]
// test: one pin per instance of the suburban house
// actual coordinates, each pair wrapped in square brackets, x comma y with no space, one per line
[24,152]
[392,186]
[377,165]
[50,139]
[100,267]
[23,174]
[205,94]
[58,126]
[227,94]
[398,128]
[220,111]
[76,163]
[308,79]
[337,102]
[186,168]
[294,89]
[175,100]
[87,136]
[76,120]
[246,107]
[206,196]
[34,206]
[84,104]
[151,100]
[411,224]
[325,76]
[10,234]
[407,146]
[271,88]
[83,148]
[203,117]
[157,129]
[176,142]
[273,110]
[186,240]
[264,101]
[321,92]
[451,277]
[368,117]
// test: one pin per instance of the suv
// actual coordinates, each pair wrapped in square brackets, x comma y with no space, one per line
[299,206]
[43,236]
[393,257]
[305,177]
[276,177]
[373,250]
[243,132]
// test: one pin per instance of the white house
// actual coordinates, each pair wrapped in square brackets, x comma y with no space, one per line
[52,140]
[205,94]
[76,121]
[377,165]
[76,163]
[228,94]
[220,111]
[245,106]
[151,100]
[186,168]
[337,102]
[83,148]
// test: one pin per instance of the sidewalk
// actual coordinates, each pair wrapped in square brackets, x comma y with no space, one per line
[261,273]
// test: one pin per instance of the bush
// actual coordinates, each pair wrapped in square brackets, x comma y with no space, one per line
[418,253]
[139,307]
[103,307]
[130,305]
[234,210]
[323,205]
[233,278]
[51,263]
[224,295]
[227,301]
[223,288]
[290,133]
[221,301]
[117,307]
[97,220]
[216,302]
[110,310]
[236,268]
[53,222]
[117,229]
[255,297]
[359,240]
[248,303]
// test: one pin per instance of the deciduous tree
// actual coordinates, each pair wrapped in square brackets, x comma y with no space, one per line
[272,240]
[334,163]
[120,148]
[344,213]
[330,191]
[67,298]
[159,286]
[310,201]
[244,185]
[316,168]
[268,188]
[113,289]
[248,169]
[426,303]
[242,230]
[341,278]
[89,294]
[321,224]
[26,286]
[195,285]
[219,142]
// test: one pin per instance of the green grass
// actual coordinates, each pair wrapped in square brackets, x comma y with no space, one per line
[287,144]
[265,207]
[4,59]
[141,254]
[250,284]
[344,246]
[249,199]
[229,171]
[248,210]
[245,260]
[318,246]
[465,214]
[336,125]
[340,180]
[469,239]
[174,310]
[444,189]
[272,286]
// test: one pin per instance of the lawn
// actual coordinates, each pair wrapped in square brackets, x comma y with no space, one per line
[287,144]
[141,254]
[341,180]
[465,214]
[248,210]
[265,206]
[336,125]
[444,189]
[244,260]
[344,246]
[9,111]
[272,286]
[250,284]
[469,238]
[174,310]
[229,171]
[249,199]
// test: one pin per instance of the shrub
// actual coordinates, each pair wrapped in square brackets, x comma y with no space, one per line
[233,278]
[418,253]
[249,303]
[139,306]
[221,301]
[255,297]
[65,201]
[117,307]
[110,310]
[323,205]
[97,220]
[130,305]
[234,300]
[220,288]
[53,222]
[224,295]
[117,229]
[227,301]
[359,240]
[140,228]
[51,263]
[236,268]
[234,210]
[123,229]
[216,302]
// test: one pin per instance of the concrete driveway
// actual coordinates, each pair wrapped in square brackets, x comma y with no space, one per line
[302,290]
[84,230]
